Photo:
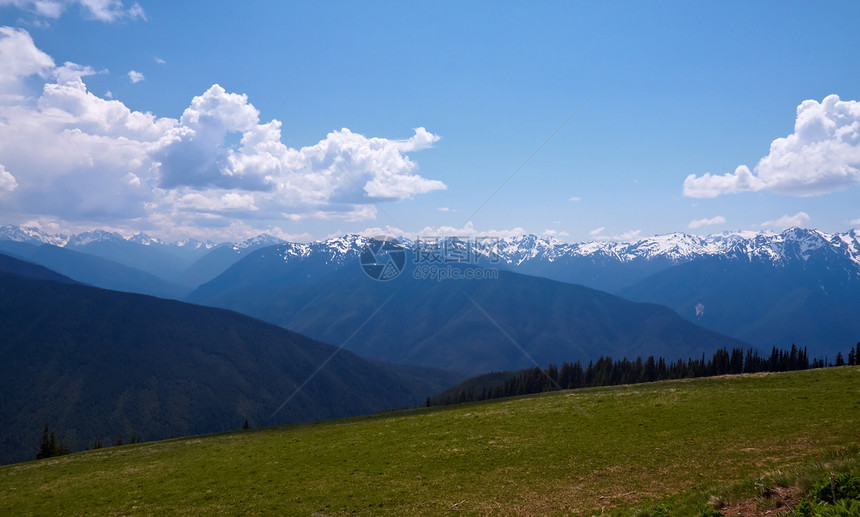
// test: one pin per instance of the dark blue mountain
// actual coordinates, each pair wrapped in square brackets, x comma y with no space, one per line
[471,326]
[101,365]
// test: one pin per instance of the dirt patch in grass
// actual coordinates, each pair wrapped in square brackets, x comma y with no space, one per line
[771,505]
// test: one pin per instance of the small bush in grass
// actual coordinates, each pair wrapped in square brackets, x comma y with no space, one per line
[843,486]
[832,496]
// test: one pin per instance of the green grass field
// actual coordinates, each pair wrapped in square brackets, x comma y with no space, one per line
[572,452]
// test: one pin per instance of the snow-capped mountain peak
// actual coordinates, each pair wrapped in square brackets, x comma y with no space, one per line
[82,239]
[262,240]
[673,248]
[29,234]
[144,239]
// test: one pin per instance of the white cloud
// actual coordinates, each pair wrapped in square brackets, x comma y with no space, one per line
[575,199]
[101,10]
[854,221]
[7,181]
[787,221]
[698,223]
[216,201]
[821,156]
[446,209]
[631,235]
[72,72]
[135,77]
[626,236]
[21,59]
[468,230]
[77,156]
[712,185]
[391,231]
[555,233]
[345,168]
[159,60]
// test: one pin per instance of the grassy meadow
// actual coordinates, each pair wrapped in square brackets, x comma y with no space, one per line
[613,450]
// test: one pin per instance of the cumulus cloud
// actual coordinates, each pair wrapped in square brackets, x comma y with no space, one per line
[821,156]
[698,223]
[7,181]
[597,231]
[100,10]
[345,168]
[135,77]
[787,221]
[77,155]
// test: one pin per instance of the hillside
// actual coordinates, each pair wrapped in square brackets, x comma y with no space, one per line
[565,453]
[452,324]
[92,270]
[15,266]
[104,365]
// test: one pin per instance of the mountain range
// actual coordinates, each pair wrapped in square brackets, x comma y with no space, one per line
[474,326]
[770,290]
[767,289]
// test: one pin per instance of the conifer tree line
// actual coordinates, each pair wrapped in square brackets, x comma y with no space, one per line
[608,372]
[49,446]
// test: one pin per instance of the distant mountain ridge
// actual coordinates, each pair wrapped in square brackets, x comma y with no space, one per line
[611,265]
[526,250]
[184,264]
[793,243]
[799,286]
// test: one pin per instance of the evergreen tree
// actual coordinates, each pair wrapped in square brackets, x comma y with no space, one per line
[44,445]
[839,360]
[48,445]
[247,426]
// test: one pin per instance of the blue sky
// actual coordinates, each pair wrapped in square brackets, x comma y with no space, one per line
[660,91]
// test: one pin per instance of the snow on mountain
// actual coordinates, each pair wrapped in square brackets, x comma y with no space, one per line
[32,235]
[792,244]
[675,248]
[82,239]
[335,251]
[260,241]
[193,244]
[145,240]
